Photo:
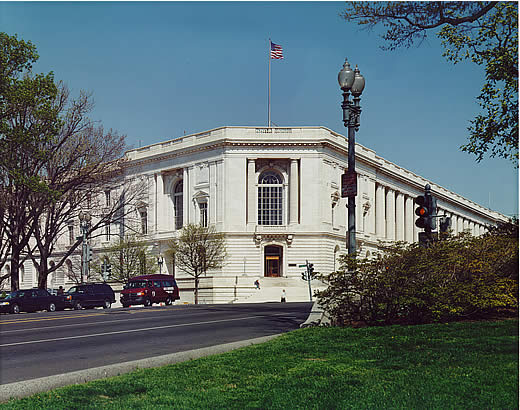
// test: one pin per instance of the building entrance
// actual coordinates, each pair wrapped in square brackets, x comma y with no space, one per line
[273,261]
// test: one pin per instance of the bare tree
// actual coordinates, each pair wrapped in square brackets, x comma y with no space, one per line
[129,257]
[197,250]
[85,163]
[73,272]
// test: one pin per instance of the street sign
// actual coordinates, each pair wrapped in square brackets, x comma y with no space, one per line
[349,184]
[302,266]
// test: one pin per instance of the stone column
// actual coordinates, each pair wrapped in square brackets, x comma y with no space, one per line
[371,218]
[221,183]
[460,224]
[380,211]
[293,192]
[471,227]
[454,226]
[409,219]
[185,197]
[399,217]
[158,206]
[212,200]
[390,214]
[251,192]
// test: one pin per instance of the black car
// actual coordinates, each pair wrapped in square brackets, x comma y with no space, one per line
[89,295]
[31,300]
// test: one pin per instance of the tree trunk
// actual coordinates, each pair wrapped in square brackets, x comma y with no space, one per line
[196,290]
[15,268]
[43,273]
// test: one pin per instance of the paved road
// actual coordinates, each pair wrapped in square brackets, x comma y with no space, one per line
[44,344]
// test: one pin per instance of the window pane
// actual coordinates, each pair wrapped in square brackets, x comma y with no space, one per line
[178,204]
[270,199]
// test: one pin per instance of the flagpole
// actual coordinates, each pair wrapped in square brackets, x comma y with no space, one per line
[269,92]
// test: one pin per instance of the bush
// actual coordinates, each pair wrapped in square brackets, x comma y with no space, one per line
[458,277]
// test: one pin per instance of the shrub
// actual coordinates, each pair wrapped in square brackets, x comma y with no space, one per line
[458,276]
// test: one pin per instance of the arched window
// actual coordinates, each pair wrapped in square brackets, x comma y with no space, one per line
[178,203]
[270,199]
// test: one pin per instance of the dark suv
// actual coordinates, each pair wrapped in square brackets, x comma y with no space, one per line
[89,295]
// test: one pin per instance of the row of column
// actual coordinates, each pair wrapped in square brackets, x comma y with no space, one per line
[395,217]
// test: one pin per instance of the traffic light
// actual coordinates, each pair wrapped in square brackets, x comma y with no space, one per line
[426,210]
[422,212]
[304,275]
[310,270]
[89,253]
[109,269]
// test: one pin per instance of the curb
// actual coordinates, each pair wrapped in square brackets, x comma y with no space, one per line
[29,387]
[317,317]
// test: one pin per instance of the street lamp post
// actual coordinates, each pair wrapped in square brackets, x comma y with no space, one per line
[84,220]
[351,82]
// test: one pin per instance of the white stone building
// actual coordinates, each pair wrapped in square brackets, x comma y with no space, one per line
[275,193]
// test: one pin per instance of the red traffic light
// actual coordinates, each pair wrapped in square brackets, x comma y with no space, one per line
[421,211]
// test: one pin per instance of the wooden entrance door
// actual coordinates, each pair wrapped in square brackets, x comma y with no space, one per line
[273,261]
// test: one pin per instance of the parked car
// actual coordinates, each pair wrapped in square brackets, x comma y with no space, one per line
[31,300]
[148,289]
[89,295]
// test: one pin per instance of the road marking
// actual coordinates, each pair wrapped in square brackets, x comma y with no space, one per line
[28,320]
[130,331]
[14,321]
[61,326]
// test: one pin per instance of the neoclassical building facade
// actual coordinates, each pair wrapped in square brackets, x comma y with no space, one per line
[276,195]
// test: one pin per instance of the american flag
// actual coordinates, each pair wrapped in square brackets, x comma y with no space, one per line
[276,51]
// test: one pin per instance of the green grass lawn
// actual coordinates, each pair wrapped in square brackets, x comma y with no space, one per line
[466,365]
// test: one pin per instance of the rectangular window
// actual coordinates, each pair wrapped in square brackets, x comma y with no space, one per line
[107,231]
[203,206]
[107,197]
[178,211]
[71,234]
[270,205]
[144,222]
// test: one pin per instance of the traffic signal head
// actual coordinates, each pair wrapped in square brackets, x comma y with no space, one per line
[422,212]
[304,275]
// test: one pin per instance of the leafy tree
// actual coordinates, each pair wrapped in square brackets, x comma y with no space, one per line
[128,257]
[54,163]
[458,277]
[485,33]
[29,122]
[198,250]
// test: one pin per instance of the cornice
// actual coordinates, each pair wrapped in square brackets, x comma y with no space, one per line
[320,138]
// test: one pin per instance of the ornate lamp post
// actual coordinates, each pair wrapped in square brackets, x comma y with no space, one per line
[351,82]
[84,222]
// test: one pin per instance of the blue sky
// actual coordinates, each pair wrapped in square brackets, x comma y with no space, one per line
[158,70]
